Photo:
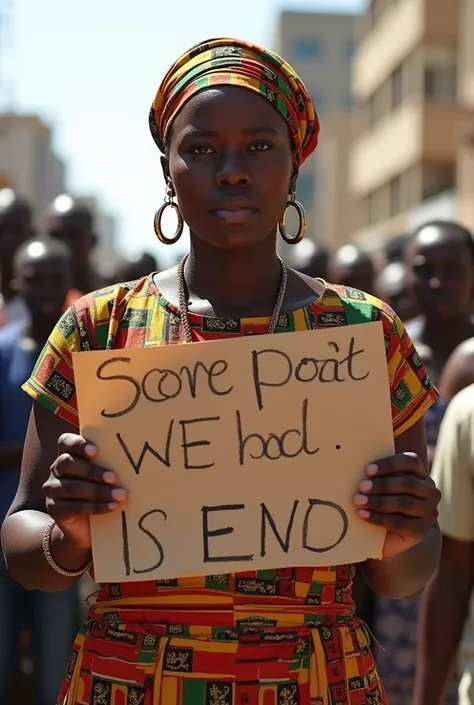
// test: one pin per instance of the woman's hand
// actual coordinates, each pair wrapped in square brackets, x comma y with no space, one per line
[77,488]
[398,494]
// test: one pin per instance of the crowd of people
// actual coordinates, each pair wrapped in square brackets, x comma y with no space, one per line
[428,281]
[190,641]
[41,275]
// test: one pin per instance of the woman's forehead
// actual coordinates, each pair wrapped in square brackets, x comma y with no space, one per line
[241,107]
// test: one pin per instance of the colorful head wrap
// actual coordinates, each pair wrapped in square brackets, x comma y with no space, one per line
[225,61]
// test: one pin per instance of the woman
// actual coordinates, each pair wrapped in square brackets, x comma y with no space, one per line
[234,123]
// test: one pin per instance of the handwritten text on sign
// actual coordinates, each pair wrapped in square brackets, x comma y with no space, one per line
[240,454]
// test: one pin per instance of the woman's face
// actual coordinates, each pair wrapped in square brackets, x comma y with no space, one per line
[232,166]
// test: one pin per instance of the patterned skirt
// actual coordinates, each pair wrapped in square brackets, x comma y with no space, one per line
[127,657]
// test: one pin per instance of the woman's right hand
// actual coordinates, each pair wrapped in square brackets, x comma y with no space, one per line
[78,488]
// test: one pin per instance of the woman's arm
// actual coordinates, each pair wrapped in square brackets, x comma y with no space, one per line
[408,572]
[23,529]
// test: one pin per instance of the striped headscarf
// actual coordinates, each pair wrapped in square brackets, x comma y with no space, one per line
[226,61]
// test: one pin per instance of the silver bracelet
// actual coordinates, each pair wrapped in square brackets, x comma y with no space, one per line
[49,557]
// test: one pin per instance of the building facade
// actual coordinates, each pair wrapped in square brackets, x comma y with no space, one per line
[28,163]
[320,48]
[407,80]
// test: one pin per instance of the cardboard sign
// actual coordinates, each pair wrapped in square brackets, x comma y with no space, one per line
[239,454]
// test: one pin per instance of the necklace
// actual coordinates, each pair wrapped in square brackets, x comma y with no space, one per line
[183,306]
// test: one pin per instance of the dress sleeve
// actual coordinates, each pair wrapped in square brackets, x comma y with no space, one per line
[412,392]
[52,381]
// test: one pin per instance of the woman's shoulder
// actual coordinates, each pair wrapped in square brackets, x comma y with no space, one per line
[105,308]
[355,306]
[123,294]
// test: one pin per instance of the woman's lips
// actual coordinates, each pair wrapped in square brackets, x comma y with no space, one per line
[235,216]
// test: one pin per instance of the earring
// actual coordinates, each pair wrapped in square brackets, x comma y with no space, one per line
[168,203]
[293,203]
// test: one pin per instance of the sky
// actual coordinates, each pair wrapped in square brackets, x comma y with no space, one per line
[91,70]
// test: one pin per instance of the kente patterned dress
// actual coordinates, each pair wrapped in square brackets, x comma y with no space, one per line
[271,637]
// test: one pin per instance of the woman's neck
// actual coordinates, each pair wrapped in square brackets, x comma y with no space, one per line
[237,283]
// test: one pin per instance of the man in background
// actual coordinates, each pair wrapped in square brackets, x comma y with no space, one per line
[352,267]
[72,223]
[41,280]
[15,228]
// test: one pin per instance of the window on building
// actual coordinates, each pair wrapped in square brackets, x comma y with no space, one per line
[395,196]
[396,86]
[437,178]
[440,74]
[307,49]
[305,189]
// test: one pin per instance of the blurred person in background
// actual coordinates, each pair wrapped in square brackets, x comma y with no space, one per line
[232,143]
[136,266]
[309,258]
[395,248]
[440,266]
[15,228]
[72,223]
[41,279]
[352,267]
[392,286]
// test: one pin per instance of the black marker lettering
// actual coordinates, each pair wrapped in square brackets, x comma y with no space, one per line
[266,516]
[126,547]
[168,385]
[350,359]
[306,447]
[307,369]
[126,378]
[345,525]
[194,444]
[154,539]
[274,446]
[147,448]
[207,534]
[219,367]
[257,379]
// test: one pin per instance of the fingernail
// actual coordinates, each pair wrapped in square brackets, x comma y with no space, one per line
[366,485]
[360,499]
[372,469]
[363,513]
[109,477]
[119,494]
[112,505]
[90,450]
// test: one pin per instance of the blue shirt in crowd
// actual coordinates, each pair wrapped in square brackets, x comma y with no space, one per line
[16,366]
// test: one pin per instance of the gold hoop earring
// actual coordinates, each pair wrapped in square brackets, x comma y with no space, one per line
[293,203]
[168,203]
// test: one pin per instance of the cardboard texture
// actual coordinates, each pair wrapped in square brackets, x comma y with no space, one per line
[239,454]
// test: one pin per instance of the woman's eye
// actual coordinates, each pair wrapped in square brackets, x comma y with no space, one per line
[259,146]
[202,149]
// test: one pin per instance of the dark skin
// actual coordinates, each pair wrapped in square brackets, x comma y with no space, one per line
[441,275]
[392,287]
[136,267]
[440,630]
[227,144]
[458,372]
[74,228]
[310,259]
[352,267]
[42,279]
[15,229]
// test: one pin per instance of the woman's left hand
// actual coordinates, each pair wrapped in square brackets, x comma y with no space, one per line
[398,494]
